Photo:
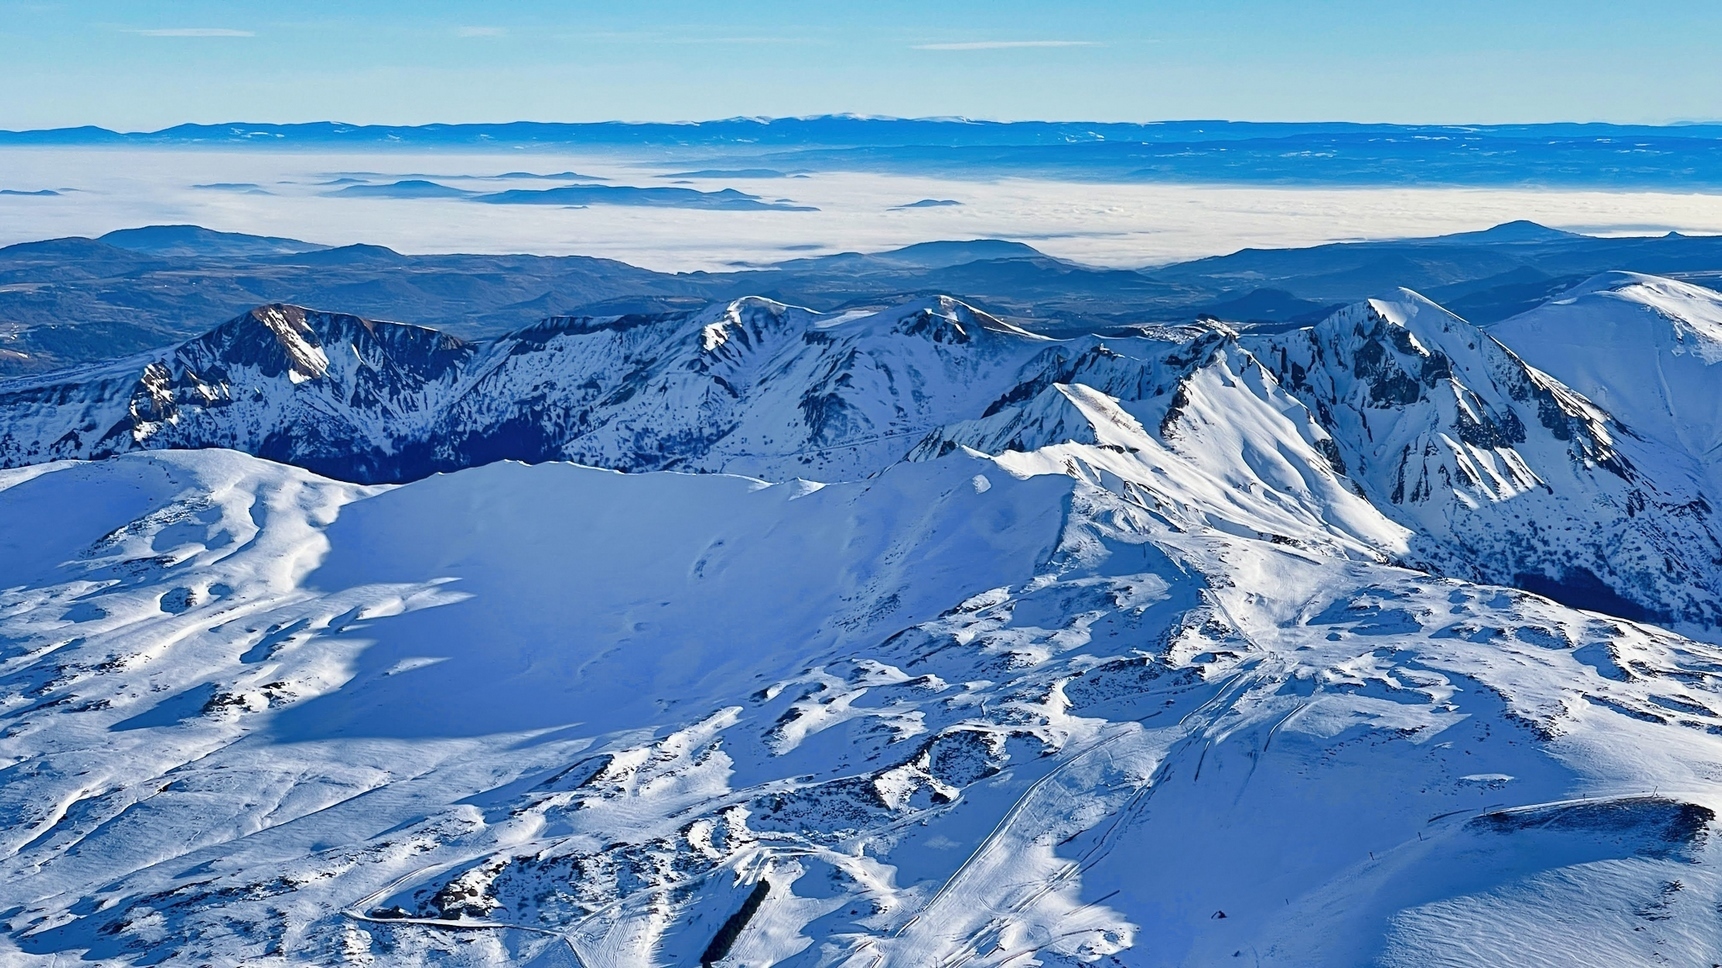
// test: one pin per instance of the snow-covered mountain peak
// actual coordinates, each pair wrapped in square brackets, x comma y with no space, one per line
[1609,311]
[1644,348]
[1407,355]
[1447,429]
[1402,322]
[1136,614]
[266,382]
[947,319]
[308,344]
[748,321]
[1113,425]
[1060,413]
[731,330]
[1402,306]
[1194,428]
[296,339]
[1497,466]
[1693,313]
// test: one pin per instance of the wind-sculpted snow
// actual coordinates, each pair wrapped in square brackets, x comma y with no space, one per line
[969,711]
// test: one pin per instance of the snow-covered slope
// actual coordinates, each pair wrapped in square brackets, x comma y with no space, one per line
[1475,464]
[1643,348]
[1228,448]
[331,392]
[1508,475]
[751,386]
[964,712]
[1172,649]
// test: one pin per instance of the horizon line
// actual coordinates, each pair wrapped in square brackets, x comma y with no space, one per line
[350,126]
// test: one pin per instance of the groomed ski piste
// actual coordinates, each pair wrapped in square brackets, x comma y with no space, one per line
[1187,649]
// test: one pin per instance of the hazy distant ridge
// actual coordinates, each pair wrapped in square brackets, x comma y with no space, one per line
[1569,155]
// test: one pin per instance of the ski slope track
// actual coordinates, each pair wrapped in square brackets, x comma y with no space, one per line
[756,636]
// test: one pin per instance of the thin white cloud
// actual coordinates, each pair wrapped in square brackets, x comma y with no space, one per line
[195,32]
[482,31]
[1006,44]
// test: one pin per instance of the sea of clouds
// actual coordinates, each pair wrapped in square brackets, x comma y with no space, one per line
[292,193]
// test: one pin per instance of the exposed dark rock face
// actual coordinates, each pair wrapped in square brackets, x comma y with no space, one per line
[1502,473]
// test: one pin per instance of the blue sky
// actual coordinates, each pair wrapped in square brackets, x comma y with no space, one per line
[135,65]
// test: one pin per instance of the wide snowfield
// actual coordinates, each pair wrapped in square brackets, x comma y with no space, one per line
[968,711]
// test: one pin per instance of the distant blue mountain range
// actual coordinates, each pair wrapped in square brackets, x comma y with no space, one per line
[1685,157]
[577,195]
[77,300]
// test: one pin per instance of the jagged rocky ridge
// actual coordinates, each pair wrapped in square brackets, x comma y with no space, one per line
[752,386]
[1392,430]
[1522,480]
[1123,666]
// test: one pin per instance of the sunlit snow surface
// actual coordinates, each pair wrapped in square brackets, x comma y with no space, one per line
[1146,686]
[1638,345]
[289,193]
[966,711]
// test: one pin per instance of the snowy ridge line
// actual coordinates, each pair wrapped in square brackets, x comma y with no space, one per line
[406,401]
[947,703]
[847,445]
[786,374]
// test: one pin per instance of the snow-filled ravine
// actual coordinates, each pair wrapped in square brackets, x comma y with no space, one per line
[1188,648]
